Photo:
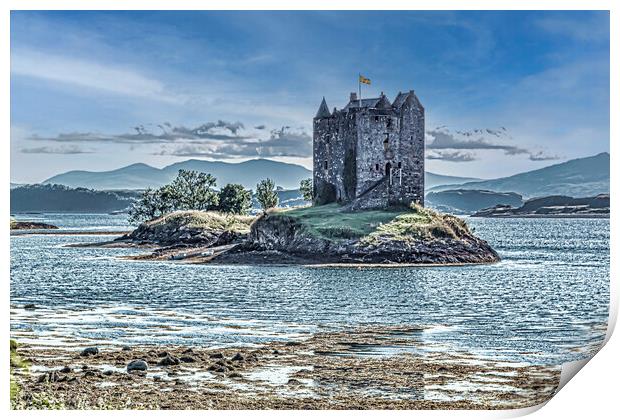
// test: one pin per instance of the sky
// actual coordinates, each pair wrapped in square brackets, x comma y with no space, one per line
[504,92]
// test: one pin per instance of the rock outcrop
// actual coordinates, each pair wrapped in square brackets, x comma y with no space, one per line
[194,228]
[408,239]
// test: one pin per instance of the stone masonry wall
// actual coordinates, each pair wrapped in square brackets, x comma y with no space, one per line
[355,148]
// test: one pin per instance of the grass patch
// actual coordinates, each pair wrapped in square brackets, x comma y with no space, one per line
[205,220]
[329,222]
[16,362]
[421,224]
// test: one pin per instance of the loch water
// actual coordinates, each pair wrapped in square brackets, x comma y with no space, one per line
[546,302]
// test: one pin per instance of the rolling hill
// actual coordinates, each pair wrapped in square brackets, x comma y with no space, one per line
[584,177]
[140,175]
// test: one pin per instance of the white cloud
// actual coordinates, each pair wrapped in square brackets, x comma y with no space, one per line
[89,74]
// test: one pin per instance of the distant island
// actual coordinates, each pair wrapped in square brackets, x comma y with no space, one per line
[461,201]
[29,225]
[62,199]
[553,206]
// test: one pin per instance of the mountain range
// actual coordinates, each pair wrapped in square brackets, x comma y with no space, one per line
[583,177]
[140,175]
[248,174]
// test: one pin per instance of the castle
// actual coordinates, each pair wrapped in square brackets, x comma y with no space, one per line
[370,154]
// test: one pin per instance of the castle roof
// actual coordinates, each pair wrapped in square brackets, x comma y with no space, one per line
[366,103]
[323,111]
[400,99]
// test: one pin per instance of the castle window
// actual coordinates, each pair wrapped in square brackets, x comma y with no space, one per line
[389,123]
[386,142]
[376,119]
[376,166]
[325,165]
[400,165]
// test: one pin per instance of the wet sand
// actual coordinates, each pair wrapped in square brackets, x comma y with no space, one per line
[362,368]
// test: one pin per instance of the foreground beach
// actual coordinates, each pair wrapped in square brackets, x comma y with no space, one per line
[364,368]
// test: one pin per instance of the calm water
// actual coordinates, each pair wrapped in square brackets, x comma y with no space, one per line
[546,302]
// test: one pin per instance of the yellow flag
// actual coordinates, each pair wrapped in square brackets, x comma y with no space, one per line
[364,80]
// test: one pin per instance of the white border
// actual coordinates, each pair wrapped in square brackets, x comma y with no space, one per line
[593,395]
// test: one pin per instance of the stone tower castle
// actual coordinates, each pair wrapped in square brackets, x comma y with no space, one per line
[370,154]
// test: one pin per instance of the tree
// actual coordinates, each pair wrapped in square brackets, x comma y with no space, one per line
[305,187]
[152,204]
[193,190]
[235,199]
[266,194]
[190,190]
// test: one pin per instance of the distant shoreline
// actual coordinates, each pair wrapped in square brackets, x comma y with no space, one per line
[23,232]
[545,216]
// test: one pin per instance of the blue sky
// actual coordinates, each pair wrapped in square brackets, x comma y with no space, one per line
[504,92]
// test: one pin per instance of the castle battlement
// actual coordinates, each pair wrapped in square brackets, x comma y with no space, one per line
[370,154]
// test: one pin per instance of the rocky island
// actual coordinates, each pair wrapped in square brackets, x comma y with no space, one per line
[311,235]
[29,225]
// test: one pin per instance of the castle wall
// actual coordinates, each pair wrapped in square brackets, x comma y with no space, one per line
[374,128]
[324,171]
[412,150]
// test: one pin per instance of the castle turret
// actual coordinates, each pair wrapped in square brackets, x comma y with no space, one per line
[323,111]
[383,102]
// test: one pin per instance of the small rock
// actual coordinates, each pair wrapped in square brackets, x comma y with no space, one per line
[216,356]
[187,359]
[188,350]
[276,352]
[90,351]
[108,373]
[89,373]
[218,368]
[237,357]
[169,360]
[126,348]
[235,375]
[66,369]
[139,364]
[49,377]
[162,354]
[30,306]
[294,382]
[84,367]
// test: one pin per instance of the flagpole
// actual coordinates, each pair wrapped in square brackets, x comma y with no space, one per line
[359,86]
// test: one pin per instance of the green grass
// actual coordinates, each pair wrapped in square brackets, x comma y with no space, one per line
[329,222]
[206,220]
[16,362]
[413,223]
